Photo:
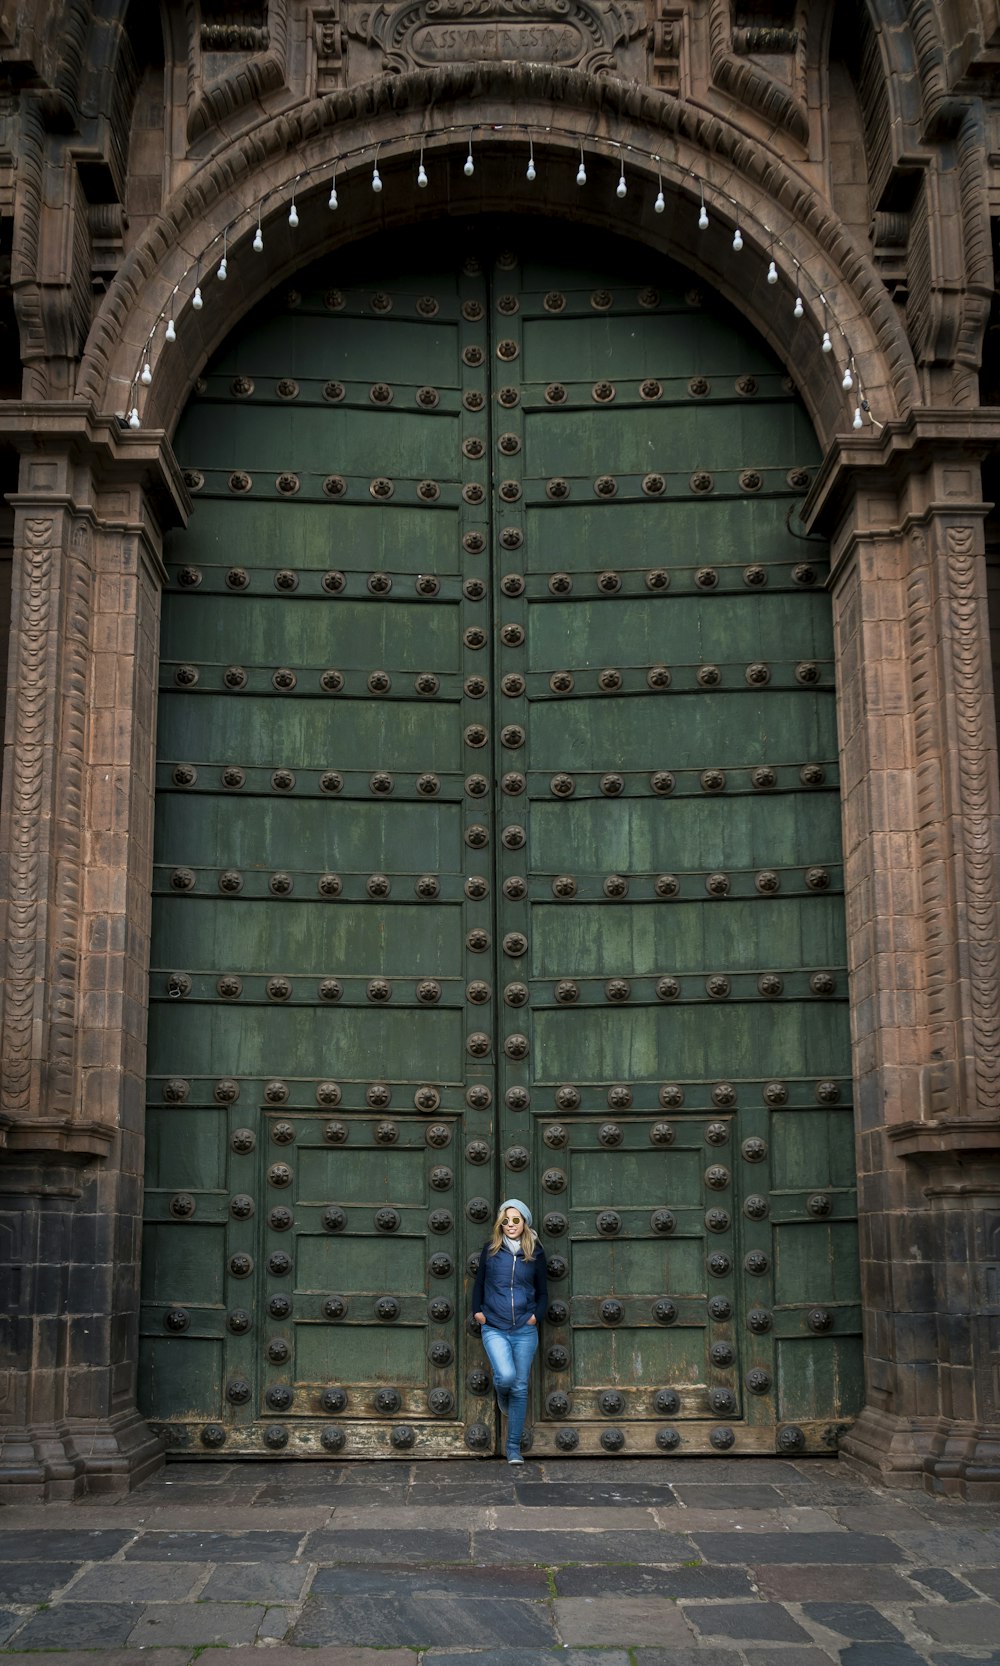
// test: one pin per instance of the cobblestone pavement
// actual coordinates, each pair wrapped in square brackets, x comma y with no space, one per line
[708,1562]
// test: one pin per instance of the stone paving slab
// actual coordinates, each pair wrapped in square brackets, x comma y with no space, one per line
[137,1582]
[298,1520]
[798,1583]
[695,1520]
[537,1657]
[880,1654]
[974,1623]
[336,1496]
[60,1544]
[757,1622]
[392,1620]
[943,1547]
[879,1517]
[856,1621]
[294,1657]
[514,1518]
[368,1544]
[863,1548]
[706,1657]
[964,1659]
[80,1517]
[772,1656]
[34,1581]
[945,1584]
[627,1621]
[733,1499]
[197,1624]
[433,1582]
[596,1495]
[217,1546]
[79,1625]
[986,1580]
[433,1517]
[121,1657]
[549,1548]
[257,1582]
[694,1582]
[486,1491]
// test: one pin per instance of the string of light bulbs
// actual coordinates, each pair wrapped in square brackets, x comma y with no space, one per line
[618,149]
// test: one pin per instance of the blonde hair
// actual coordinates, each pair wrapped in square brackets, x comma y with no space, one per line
[529,1239]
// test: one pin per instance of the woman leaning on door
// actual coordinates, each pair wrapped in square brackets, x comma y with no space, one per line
[509,1301]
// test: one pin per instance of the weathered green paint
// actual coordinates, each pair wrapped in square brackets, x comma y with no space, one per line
[571,479]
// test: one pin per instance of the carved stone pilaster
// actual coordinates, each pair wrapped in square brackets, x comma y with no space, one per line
[74,832]
[906,516]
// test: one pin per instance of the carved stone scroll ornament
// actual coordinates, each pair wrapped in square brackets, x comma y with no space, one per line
[970,674]
[572,33]
[26,802]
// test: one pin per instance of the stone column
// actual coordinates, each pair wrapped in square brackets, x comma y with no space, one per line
[922,836]
[75,847]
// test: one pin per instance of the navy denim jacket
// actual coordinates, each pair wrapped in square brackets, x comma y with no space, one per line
[509,1289]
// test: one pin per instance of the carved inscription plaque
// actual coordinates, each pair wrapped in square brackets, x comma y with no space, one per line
[574,33]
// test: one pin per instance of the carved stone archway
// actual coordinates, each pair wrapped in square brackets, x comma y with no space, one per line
[902,506]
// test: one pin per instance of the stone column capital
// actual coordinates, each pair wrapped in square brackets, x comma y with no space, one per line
[919,467]
[72,454]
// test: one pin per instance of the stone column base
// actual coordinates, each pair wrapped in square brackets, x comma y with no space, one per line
[941,1455]
[95,1458]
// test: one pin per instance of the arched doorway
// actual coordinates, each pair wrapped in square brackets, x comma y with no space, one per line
[498,852]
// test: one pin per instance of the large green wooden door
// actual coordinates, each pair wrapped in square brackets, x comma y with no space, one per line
[497,852]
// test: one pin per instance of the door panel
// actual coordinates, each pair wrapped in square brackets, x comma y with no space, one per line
[669,879]
[497,850]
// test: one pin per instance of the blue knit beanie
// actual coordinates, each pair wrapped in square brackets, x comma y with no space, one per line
[522,1209]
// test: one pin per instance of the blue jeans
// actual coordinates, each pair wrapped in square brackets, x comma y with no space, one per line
[510,1353]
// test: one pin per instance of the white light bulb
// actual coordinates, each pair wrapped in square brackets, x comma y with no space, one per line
[772,273]
[857,423]
[621,189]
[258,242]
[170,334]
[147,375]
[827,344]
[737,240]
[581,175]
[798,311]
[196,300]
[660,203]
[333,203]
[530,173]
[703,218]
[421,176]
[223,271]
[848,381]
[133,420]
[293,216]
[470,166]
[376,179]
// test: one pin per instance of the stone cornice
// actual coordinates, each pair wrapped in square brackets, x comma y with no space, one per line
[945,1140]
[55,1139]
[902,448]
[118,455]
